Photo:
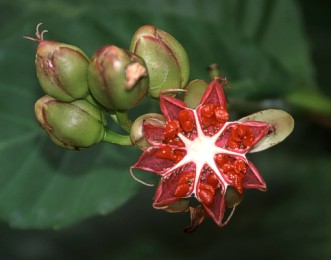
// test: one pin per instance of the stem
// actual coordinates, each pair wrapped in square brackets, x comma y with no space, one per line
[114,138]
[123,120]
[213,71]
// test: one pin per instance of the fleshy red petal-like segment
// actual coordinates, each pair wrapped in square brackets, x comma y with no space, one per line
[253,179]
[217,209]
[170,107]
[153,134]
[148,161]
[165,192]
[214,94]
[259,130]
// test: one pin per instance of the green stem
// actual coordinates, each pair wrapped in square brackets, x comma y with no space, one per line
[114,138]
[123,120]
[213,71]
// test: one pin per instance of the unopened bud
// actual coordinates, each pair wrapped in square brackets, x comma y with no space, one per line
[74,125]
[166,59]
[61,68]
[118,79]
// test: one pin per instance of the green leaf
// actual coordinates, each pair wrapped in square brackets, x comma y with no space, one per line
[310,100]
[42,185]
[259,45]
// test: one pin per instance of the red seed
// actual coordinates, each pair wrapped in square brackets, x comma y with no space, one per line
[248,140]
[186,120]
[232,175]
[165,153]
[221,159]
[186,177]
[238,133]
[182,190]
[187,126]
[240,166]
[207,121]
[221,114]
[206,197]
[207,110]
[212,180]
[178,156]
[232,144]
[227,167]
[207,187]
[237,183]
[179,143]
[172,129]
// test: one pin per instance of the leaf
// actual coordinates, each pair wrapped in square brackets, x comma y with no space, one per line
[310,100]
[42,185]
[45,186]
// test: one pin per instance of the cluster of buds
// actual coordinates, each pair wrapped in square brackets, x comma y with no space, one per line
[192,145]
[79,91]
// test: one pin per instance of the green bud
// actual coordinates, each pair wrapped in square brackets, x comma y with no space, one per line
[74,125]
[166,59]
[137,133]
[232,197]
[117,78]
[194,92]
[62,70]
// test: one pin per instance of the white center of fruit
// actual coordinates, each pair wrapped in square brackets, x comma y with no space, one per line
[202,151]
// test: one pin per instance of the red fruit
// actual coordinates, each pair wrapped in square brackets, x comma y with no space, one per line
[202,158]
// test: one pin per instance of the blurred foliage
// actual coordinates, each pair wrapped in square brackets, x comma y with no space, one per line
[261,47]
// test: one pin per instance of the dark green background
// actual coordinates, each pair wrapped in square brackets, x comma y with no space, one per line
[282,65]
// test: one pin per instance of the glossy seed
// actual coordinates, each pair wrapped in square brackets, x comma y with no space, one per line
[221,114]
[239,166]
[182,190]
[207,110]
[206,197]
[165,153]
[212,180]
[172,129]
